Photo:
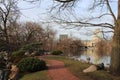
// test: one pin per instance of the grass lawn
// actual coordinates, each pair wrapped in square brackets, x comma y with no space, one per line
[40,75]
[76,67]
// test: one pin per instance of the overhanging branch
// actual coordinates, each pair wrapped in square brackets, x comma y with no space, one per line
[84,24]
[109,8]
[65,1]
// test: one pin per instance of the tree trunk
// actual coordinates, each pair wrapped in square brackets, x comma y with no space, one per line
[5,30]
[115,55]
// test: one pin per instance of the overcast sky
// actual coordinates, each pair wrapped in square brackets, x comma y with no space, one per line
[40,12]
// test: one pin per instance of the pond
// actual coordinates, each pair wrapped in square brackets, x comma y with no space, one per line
[95,60]
[94,57]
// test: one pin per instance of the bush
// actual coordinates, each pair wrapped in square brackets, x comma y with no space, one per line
[57,52]
[32,47]
[19,53]
[17,56]
[30,64]
[29,47]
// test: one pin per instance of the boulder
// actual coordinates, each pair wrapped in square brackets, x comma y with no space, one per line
[14,72]
[91,68]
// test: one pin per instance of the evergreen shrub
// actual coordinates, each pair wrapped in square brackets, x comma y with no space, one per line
[32,47]
[31,64]
[19,53]
[57,52]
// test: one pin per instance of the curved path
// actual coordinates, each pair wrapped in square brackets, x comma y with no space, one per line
[57,71]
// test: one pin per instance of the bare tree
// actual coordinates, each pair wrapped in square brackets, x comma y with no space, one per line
[75,47]
[103,47]
[32,32]
[9,12]
[70,46]
[49,38]
[14,34]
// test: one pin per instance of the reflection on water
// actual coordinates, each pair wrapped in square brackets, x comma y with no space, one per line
[94,57]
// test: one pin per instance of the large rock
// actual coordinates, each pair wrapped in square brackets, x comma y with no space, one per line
[14,72]
[92,68]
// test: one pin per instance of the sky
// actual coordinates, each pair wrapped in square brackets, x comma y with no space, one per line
[39,12]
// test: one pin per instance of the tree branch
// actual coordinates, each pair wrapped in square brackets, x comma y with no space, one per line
[84,24]
[109,8]
[65,1]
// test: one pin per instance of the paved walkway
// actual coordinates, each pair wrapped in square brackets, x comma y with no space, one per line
[57,71]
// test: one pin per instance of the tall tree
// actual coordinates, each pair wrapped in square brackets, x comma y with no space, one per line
[115,57]
[49,38]
[32,32]
[8,13]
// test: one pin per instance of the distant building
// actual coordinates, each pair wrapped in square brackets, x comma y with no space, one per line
[96,38]
[63,37]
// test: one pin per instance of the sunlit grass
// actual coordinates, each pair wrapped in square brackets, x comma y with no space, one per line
[76,67]
[40,75]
